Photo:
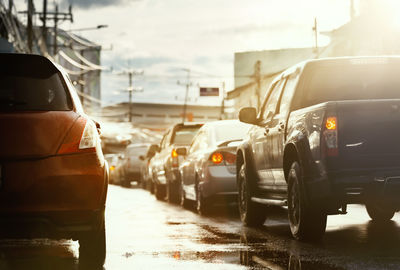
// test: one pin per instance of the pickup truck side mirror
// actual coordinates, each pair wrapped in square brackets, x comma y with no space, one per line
[181,151]
[248,115]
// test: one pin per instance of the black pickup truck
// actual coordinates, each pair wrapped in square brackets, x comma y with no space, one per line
[327,135]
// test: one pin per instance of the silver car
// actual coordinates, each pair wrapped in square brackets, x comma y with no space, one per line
[209,169]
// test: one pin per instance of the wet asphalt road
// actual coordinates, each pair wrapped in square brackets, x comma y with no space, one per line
[143,233]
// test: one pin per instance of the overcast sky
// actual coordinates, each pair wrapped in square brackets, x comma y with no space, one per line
[164,36]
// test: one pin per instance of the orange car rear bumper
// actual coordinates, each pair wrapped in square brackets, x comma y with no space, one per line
[60,191]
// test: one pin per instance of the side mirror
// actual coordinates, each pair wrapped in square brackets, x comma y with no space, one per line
[248,115]
[141,158]
[154,148]
[182,151]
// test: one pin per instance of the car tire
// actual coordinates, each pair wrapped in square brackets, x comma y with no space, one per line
[183,201]
[92,247]
[307,222]
[202,204]
[172,192]
[251,213]
[379,214]
[159,192]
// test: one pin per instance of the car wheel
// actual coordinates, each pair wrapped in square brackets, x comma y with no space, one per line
[172,192]
[378,213]
[251,213]
[92,247]
[202,205]
[306,222]
[159,192]
[183,201]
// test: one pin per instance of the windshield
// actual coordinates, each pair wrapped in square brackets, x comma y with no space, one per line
[185,135]
[32,86]
[230,132]
[352,82]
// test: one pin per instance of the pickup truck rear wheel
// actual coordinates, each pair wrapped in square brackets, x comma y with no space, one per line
[307,222]
[378,213]
[252,214]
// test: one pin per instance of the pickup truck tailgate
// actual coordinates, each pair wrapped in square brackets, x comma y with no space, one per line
[369,134]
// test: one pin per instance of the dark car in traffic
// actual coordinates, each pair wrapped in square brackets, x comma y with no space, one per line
[53,175]
[164,165]
[327,135]
[208,172]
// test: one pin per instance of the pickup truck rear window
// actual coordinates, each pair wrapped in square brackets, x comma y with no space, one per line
[351,82]
[28,85]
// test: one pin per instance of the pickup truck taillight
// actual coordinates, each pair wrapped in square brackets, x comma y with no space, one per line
[330,135]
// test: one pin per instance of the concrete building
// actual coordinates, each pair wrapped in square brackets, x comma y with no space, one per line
[158,116]
[255,70]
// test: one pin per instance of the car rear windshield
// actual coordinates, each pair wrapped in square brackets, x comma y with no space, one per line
[32,84]
[184,135]
[137,151]
[234,131]
[358,81]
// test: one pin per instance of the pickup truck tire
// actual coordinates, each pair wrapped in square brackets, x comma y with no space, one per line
[307,222]
[252,214]
[380,214]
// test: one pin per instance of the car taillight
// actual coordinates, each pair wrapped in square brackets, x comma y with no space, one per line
[330,135]
[230,158]
[82,137]
[175,160]
[217,158]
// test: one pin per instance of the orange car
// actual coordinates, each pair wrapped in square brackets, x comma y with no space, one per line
[53,176]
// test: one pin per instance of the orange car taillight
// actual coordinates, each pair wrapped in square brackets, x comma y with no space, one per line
[217,158]
[82,137]
[330,136]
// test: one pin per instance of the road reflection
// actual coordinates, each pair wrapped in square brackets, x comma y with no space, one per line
[44,254]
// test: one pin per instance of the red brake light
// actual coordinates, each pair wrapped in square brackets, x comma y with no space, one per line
[217,158]
[230,158]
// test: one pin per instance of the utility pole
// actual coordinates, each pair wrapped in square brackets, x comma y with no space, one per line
[187,84]
[10,6]
[257,78]
[131,89]
[315,29]
[44,29]
[55,31]
[222,115]
[29,26]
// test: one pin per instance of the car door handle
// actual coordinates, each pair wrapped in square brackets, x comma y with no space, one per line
[266,131]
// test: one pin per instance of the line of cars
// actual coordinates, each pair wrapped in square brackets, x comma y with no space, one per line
[326,135]
[196,163]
